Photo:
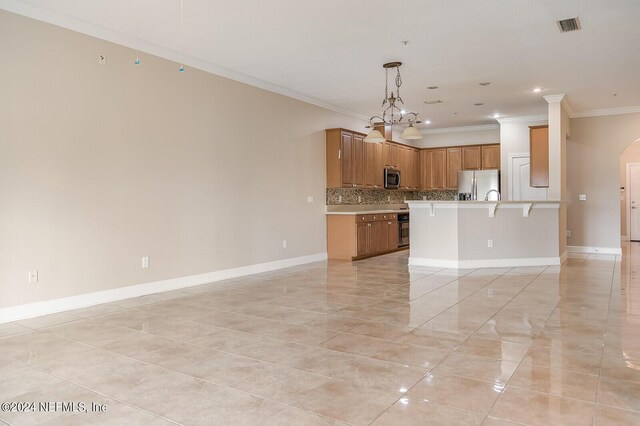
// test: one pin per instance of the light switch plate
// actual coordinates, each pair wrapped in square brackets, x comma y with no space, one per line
[582,197]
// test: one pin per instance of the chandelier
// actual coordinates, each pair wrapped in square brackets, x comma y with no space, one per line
[393,115]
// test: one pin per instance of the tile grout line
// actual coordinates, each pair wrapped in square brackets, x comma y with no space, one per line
[461,343]
[88,389]
[529,348]
[181,374]
[595,401]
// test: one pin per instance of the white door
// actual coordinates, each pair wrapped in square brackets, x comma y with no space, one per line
[520,180]
[634,202]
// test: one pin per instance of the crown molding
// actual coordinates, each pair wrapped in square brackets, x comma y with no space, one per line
[73,24]
[606,111]
[554,98]
[460,129]
[523,119]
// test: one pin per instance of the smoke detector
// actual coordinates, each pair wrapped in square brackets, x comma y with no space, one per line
[570,24]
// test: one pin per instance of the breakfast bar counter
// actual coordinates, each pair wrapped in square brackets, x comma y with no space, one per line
[477,234]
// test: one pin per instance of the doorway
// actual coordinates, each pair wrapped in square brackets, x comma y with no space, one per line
[630,192]
[519,177]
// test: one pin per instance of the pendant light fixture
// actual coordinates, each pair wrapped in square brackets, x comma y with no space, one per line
[393,115]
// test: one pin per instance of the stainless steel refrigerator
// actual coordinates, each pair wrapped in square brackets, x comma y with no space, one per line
[478,185]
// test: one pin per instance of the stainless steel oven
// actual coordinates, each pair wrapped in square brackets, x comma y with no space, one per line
[403,229]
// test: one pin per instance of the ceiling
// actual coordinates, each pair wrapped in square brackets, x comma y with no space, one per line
[331,52]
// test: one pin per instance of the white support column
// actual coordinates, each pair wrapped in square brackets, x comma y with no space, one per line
[558,130]
[556,160]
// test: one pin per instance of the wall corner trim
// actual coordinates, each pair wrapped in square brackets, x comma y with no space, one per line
[52,306]
[564,257]
[595,250]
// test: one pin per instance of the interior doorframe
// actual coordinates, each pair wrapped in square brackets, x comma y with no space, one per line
[510,158]
[627,202]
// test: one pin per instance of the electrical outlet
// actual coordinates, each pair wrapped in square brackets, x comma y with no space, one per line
[568,233]
[33,277]
[389,199]
[284,244]
[145,262]
[340,198]
[424,198]
[582,197]
[490,243]
[359,199]
[310,199]
[102,59]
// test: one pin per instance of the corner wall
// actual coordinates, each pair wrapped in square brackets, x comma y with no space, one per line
[101,165]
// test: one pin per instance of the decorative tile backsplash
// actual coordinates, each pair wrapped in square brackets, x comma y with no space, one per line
[382,196]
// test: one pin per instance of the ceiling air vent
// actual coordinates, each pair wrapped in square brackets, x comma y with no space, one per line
[438,101]
[571,24]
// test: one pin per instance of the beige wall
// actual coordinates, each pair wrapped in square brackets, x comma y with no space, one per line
[475,137]
[593,168]
[630,155]
[100,165]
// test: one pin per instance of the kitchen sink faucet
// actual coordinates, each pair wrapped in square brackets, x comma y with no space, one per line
[486,198]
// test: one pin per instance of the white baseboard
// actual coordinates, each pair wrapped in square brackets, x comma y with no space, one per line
[599,250]
[30,310]
[485,263]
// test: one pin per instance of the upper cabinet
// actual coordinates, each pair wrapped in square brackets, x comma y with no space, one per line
[390,155]
[408,160]
[373,165]
[491,156]
[471,158]
[352,163]
[345,159]
[539,155]
[454,165]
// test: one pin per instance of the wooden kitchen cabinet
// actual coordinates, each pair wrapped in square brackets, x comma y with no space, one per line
[539,156]
[471,158]
[373,165]
[440,168]
[426,169]
[454,165]
[490,157]
[352,237]
[417,182]
[390,155]
[345,158]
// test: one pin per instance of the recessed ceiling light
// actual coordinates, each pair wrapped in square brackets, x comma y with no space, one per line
[427,122]
[537,90]
[478,104]
[403,112]
[496,115]
[485,83]
[432,87]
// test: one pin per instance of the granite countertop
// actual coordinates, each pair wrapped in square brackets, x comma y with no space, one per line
[354,212]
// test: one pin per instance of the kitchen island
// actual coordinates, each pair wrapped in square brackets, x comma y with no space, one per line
[477,234]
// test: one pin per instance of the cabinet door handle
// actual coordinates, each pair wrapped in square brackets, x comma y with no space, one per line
[339,154]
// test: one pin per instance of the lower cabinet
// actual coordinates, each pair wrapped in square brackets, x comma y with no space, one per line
[351,237]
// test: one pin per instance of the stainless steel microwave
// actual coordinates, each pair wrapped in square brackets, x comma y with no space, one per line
[391,179]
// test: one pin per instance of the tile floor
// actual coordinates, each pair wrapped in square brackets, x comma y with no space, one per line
[373,342]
